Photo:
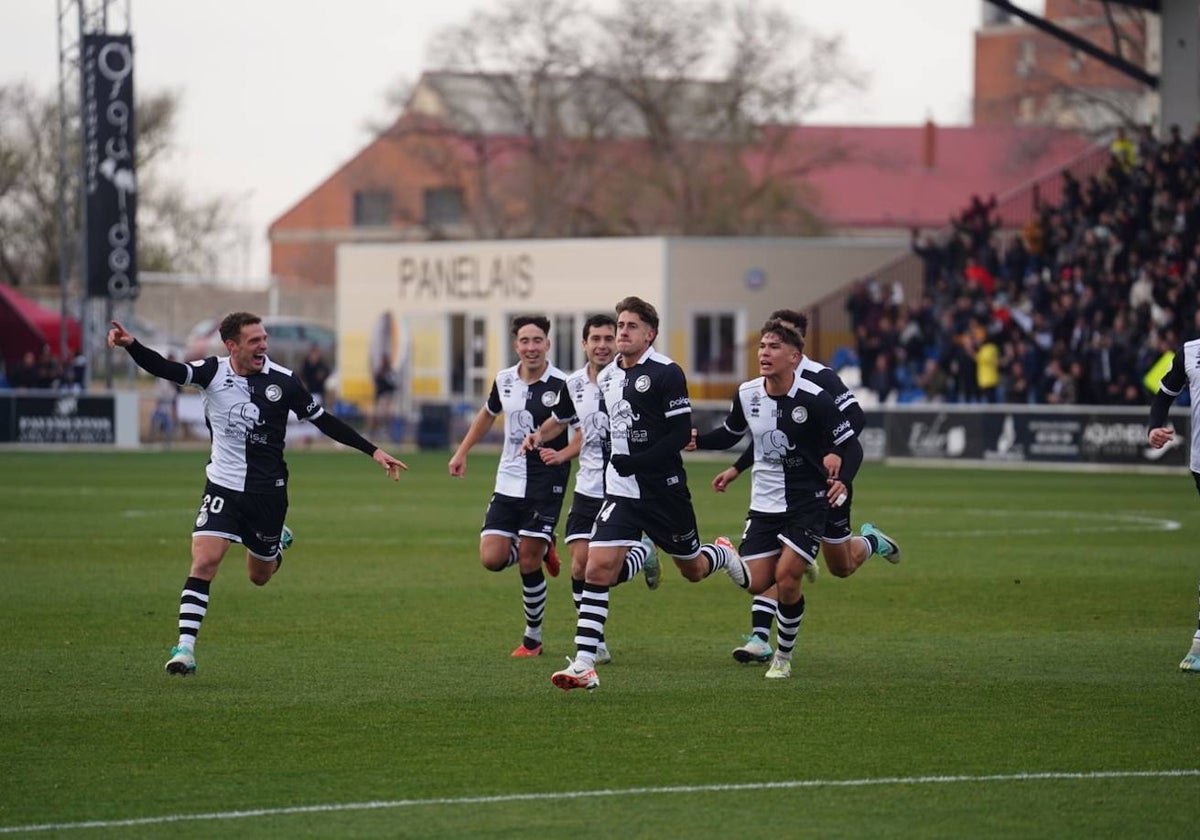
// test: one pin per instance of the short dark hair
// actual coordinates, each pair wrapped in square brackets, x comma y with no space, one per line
[539,321]
[794,317]
[598,321]
[787,334]
[231,324]
[640,308]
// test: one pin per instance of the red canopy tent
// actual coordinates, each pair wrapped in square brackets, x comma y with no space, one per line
[26,325]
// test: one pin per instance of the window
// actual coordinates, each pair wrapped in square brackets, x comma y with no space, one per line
[564,342]
[714,344]
[443,206]
[372,208]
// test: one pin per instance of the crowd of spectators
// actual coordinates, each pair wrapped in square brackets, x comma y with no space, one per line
[1074,307]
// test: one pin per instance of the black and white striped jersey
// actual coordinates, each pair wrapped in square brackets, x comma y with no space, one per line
[640,401]
[247,421]
[1185,373]
[791,436]
[579,404]
[525,407]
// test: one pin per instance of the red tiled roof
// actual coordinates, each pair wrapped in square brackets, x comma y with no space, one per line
[883,180]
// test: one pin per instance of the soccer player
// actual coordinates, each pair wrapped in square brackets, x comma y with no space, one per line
[518,528]
[644,395]
[1184,372]
[795,429]
[579,406]
[843,551]
[247,398]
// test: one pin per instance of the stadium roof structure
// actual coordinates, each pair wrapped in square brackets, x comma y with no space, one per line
[918,176]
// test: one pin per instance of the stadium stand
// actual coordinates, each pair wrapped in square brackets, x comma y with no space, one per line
[1074,305]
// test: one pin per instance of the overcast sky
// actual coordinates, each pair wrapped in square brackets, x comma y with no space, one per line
[276,93]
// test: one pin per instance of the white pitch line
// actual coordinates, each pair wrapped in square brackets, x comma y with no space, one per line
[1112,522]
[591,794]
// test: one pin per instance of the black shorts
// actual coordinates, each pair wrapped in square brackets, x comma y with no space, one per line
[581,517]
[837,520]
[253,519]
[801,530]
[668,520]
[511,517]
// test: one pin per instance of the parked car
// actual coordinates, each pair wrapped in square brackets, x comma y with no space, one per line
[288,341]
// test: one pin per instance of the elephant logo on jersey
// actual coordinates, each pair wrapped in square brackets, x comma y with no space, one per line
[621,419]
[595,427]
[244,418]
[774,445]
[246,415]
[522,424]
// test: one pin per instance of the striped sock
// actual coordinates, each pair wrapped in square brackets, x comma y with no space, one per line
[193,605]
[634,560]
[589,631]
[576,593]
[533,594]
[762,613]
[790,616]
[716,555]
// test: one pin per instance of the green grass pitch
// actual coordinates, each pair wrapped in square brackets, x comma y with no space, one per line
[1015,676]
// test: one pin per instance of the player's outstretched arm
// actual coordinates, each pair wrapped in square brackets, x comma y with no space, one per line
[390,464]
[145,358]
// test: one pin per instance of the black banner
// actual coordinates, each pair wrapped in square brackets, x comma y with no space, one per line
[109,172]
[1031,436]
[64,418]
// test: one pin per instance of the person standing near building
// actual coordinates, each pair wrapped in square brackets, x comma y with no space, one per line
[796,429]
[315,372]
[247,398]
[645,398]
[1183,373]
[844,552]
[578,406]
[518,528]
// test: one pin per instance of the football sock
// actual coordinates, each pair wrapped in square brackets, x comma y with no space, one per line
[716,557]
[634,560]
[193,604]
[589,630]
[576,593]
[872,544]
[762,613]
[514,554]
[533,595]
[790,616]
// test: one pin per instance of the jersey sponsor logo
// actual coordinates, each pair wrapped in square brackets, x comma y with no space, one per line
[841,429]
[521,425]
[774,445]
[273,393]
[755,400]
[244,418]
[621,419]
[549,398]
[678,401]
[843,397]
[799,414]
[642,384]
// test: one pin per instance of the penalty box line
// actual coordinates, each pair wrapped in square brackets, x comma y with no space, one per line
[588,794]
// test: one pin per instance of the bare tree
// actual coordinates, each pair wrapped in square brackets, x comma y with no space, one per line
[175,232]
[660,117]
